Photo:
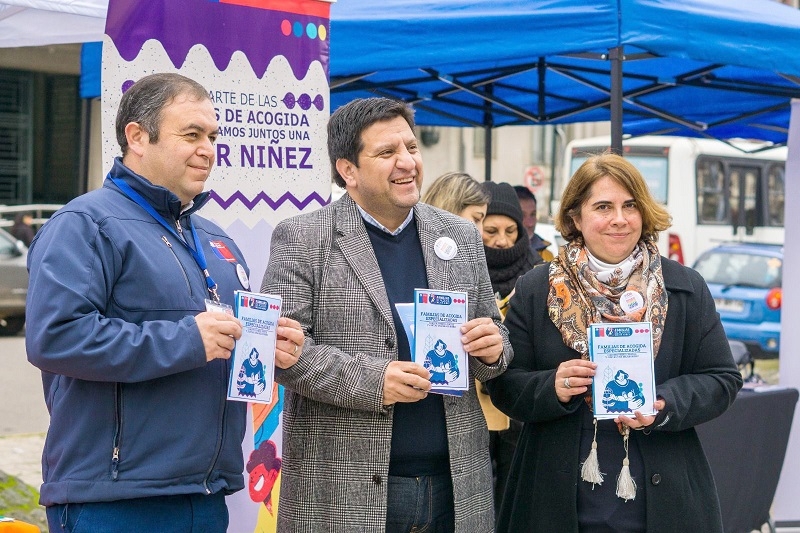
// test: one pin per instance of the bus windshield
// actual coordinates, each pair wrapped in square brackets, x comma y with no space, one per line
[714,191]
[654,169]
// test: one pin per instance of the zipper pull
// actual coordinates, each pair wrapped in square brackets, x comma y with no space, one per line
[115,463]
[180,228]
[164,238]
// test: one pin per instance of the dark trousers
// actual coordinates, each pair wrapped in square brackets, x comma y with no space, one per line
[191,513]
[502,445]
[420,504]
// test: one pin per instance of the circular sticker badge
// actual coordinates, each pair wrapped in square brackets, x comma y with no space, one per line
[631,301]
[242,275]
[445,248]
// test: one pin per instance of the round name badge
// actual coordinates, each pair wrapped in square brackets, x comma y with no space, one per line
[242,275]
[445,248]
[631,301]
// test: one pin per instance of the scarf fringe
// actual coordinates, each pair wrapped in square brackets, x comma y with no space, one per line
[590,469]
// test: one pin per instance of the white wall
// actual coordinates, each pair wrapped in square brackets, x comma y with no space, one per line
[95,175]
[55,59]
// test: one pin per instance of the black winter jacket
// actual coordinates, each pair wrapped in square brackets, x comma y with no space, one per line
[695,375]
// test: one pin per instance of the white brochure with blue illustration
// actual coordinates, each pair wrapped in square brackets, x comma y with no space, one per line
[624,381]
[438,317]
[252,375]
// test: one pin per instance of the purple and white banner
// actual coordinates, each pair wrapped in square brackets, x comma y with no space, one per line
[265,65]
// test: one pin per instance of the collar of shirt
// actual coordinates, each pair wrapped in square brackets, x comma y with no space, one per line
[371,220]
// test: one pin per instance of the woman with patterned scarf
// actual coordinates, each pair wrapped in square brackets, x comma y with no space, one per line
[633,473]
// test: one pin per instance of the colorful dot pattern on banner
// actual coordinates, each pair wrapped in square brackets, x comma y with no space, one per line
[312,31]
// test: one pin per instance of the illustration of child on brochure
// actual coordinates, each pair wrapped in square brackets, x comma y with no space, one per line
[622,395]
[252,376]
[442,364]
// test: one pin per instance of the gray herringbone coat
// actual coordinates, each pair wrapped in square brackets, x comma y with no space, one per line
[336,432]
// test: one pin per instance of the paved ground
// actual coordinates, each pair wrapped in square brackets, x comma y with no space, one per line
[22,408]
[23,415]
[21,457]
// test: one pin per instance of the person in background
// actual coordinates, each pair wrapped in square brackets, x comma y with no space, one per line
[366,448]
[460,194]
[134,361]
[508,257]
[571,472]
[505,241]
[22,230]
[527,202]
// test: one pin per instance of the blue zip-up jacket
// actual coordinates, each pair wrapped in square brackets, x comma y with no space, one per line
[135,409]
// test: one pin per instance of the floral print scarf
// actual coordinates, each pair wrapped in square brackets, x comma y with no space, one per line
[578,298]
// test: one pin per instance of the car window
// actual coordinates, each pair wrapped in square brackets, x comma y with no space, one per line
[7,245]
[730,268]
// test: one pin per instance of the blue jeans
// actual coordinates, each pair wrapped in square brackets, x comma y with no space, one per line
[420,504]
[190,513]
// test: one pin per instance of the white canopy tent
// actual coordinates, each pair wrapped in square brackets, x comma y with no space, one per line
[43,22]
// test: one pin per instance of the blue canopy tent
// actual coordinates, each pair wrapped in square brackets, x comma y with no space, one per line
[715,68]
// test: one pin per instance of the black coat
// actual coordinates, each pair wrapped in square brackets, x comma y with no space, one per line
[695,375]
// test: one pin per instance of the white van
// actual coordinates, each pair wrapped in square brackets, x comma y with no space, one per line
[715,191]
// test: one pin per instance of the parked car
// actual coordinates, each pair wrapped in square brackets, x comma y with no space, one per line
[13,284]
[745,281]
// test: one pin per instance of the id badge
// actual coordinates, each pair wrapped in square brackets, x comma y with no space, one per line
[211,305]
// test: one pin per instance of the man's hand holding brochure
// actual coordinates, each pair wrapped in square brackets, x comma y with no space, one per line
[253,361]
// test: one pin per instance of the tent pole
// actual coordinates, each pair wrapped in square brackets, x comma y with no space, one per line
[616,56]
[488,123]
[487,153]
[541,70]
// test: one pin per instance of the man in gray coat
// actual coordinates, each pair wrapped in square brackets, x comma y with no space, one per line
[365,446]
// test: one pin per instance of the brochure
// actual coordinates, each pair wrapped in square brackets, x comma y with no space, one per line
[406,312]
[625,379]
[253,359]
[438,317]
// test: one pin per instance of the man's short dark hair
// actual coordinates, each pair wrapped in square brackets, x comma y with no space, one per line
[144,100]
[523,193]
[349,121]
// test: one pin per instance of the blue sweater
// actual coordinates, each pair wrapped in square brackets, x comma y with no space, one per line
[419,430]
[135,409]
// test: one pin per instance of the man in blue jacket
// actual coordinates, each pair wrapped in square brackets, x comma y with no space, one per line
[134,359]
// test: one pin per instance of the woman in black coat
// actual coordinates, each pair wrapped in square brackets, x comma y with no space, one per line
[633,473]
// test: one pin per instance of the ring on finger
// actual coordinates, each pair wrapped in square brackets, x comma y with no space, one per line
[296,346]
[566,383]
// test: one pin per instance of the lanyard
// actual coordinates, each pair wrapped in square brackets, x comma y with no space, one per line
[197,253]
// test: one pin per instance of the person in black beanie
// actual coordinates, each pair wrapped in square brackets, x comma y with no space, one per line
[508,256]
[508,253]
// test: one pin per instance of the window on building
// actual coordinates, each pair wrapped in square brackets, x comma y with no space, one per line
[40,138]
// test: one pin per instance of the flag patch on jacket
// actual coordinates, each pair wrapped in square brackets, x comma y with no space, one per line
[221,250]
